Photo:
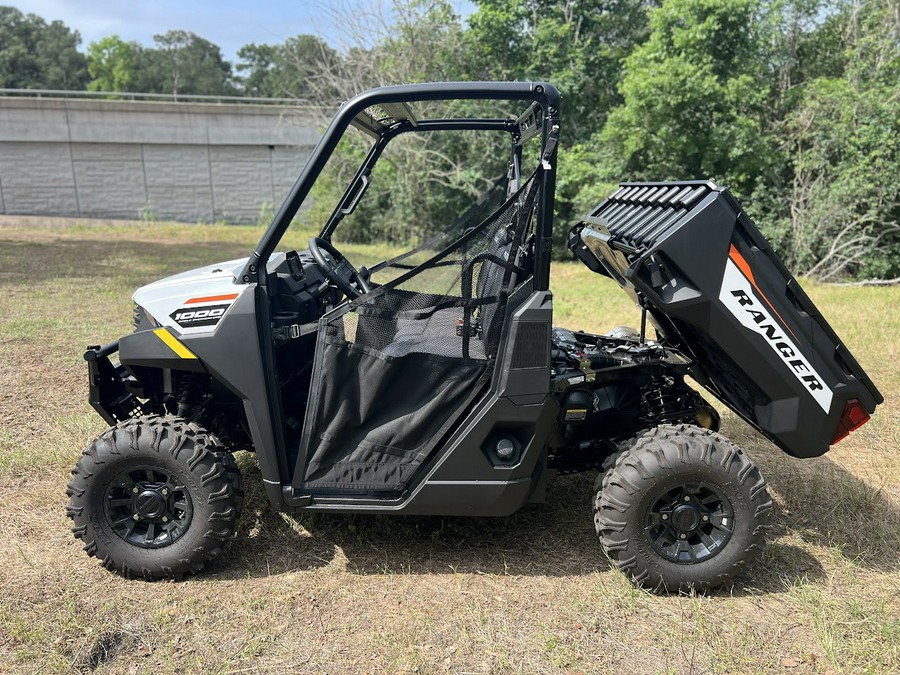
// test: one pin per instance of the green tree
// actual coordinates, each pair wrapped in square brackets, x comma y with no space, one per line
[258,62]
[183,64]
[696,97]
[112,63]
[285,70]
[844,141]
[300,57]
[38,55]
[580,46]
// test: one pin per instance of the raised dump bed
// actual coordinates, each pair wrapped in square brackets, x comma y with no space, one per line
[717,292]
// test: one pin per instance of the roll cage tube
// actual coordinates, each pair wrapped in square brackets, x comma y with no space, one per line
[546,95]
[359,183]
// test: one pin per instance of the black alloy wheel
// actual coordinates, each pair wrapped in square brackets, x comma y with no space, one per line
[155,497]
[690,523]
[682,509]
[147,507]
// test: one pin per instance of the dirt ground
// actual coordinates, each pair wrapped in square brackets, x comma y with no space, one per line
[530,593]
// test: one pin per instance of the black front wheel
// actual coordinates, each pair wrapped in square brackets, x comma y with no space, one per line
[154,497]
[682,508]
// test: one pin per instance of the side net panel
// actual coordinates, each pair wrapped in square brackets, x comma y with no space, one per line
[394,370]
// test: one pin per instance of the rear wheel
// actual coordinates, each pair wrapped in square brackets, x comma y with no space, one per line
[154,497]
[682,508]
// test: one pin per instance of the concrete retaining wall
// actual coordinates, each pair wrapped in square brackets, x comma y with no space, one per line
[178,161]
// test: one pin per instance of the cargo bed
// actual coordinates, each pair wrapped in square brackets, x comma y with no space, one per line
[717,293]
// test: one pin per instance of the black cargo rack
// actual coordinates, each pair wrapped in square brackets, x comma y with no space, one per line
[638,214]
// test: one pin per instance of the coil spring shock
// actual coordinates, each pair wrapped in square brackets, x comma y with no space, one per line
[188,396]
[661,400]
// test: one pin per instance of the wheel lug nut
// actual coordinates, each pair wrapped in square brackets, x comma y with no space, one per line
[665,516]
[705,517]
[687,498]
[683,535]
[135,489]
[165,491]
[135,517]
[165,519]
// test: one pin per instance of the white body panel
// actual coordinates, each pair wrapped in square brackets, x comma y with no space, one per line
[739,297]
[202,295]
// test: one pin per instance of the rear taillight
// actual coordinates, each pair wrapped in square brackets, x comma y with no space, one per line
[853,417]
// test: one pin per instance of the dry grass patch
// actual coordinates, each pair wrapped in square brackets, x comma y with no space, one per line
[529,593]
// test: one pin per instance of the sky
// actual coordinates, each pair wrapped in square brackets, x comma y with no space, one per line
[227,23]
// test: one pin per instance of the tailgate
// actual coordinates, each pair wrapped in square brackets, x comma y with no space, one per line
[719,294]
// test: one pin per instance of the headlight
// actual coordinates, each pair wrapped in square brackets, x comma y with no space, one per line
[139,314]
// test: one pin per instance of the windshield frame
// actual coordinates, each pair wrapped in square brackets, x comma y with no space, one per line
[351,197]
[543,94]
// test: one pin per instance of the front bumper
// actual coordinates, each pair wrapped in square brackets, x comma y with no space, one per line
[111,388]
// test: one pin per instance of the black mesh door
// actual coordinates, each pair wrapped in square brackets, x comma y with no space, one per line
[395,369]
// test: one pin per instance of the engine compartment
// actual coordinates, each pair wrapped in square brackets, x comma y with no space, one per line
[608,385]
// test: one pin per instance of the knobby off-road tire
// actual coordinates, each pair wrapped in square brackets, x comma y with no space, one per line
[682,509]
[179,481]
[610,461]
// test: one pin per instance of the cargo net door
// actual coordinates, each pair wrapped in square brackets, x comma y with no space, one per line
[395,369]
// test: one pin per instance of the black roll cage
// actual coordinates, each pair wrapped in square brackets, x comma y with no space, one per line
[542,117]
[357,186]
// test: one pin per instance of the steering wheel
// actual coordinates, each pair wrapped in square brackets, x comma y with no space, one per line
[338,269]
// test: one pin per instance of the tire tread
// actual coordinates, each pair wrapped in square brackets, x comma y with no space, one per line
[654,454]
[215,470]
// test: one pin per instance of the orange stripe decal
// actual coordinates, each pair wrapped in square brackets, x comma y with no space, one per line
[212,298]
[738,259]
[742,264]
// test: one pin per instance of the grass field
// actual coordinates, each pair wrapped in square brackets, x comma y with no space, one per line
[529,593]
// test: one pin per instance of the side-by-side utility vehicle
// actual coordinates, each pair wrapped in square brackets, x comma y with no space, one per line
[434,381]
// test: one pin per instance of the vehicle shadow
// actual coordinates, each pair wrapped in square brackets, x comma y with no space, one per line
[267,542]
[827,506]
[555,539]
[830,507]
[552,539]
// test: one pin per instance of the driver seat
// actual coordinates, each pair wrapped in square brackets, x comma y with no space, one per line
[439,333]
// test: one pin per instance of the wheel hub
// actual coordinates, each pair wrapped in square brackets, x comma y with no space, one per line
[686,517]
[150,504]
[689,523]
[147,507]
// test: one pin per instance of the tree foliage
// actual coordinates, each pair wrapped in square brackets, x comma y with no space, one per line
[182,63]
[285,70]
[35,54]
[185,63]
[111,64]
[843,136]
[696,98]
[794,104]
[580,46]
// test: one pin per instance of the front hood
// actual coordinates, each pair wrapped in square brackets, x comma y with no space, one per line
[194,301]
[212,275]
